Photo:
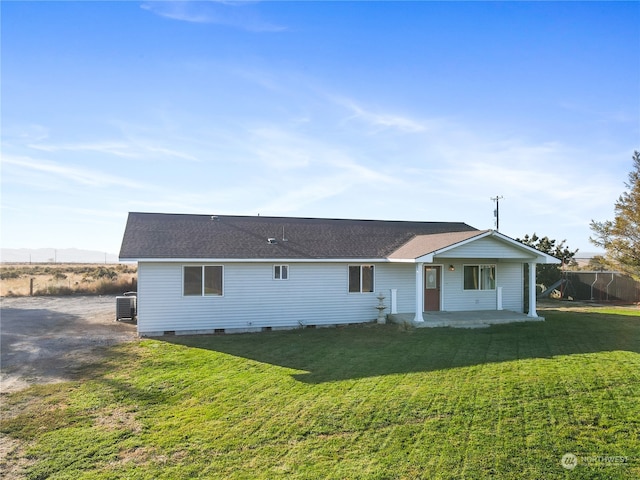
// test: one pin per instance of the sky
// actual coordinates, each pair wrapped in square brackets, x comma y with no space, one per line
[367,110]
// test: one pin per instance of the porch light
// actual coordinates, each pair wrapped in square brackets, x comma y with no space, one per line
[452,268]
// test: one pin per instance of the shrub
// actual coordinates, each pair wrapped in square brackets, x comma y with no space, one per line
[52,290]
[103,272]
[107,287]
[9,274]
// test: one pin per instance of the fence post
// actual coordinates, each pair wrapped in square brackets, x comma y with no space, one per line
[31,287]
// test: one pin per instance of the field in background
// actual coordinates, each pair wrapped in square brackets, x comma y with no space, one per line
[66,279]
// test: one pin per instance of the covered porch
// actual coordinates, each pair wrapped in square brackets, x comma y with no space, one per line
[462,319]
[468,280]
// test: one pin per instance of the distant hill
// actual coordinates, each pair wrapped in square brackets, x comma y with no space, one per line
[55,255]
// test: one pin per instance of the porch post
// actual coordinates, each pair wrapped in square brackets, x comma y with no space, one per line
[532,290]
[419,292]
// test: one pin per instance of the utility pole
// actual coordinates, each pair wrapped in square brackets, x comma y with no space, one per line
[496,212]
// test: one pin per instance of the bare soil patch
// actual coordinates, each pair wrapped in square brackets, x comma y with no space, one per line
[47,339]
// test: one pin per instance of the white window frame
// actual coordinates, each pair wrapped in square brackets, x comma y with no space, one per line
[202,282]
[480,267]
[279,269]
[373,278]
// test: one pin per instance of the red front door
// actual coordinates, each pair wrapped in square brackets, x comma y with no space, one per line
[432,289]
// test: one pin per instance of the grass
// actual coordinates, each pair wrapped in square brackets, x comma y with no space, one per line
[66,279]
[372,401]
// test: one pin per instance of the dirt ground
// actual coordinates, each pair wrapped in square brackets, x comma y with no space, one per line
[46,339]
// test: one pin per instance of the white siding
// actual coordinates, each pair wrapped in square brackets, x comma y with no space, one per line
[314,294]
[401,276]
[509,276]
[511,279]
[487,247]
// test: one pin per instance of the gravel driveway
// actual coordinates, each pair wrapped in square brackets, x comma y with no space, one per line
[45,339]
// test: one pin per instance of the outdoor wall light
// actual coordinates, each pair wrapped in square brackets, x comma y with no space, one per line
[452,268]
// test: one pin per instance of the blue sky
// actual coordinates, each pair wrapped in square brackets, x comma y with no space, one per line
[381,110]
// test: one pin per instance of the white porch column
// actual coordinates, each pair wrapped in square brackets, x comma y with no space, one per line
[394,300]
[532,290]
[419,292]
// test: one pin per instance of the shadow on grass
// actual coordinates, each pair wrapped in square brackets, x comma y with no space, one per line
[326,355]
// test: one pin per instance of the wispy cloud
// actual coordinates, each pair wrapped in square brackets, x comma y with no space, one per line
[380,120]
[231,14]
[78,175]
[279,148]
[541,182]
[24,133]
[121,149]
[331,174]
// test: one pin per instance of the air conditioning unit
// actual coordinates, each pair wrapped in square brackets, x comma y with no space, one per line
[126,307]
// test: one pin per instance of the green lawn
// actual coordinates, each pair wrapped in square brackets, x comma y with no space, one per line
[357,402]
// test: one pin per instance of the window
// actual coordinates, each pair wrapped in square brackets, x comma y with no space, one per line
[202,280]
[479,277]
[281,272]
[360,278]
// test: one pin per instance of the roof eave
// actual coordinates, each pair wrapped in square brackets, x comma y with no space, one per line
[253,260]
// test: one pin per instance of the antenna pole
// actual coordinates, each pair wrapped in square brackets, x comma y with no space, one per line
[496,212]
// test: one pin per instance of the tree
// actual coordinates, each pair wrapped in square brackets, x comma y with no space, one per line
[597,263]
[620,237]
[547,275]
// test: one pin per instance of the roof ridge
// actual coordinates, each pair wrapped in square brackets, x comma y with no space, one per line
[337,219]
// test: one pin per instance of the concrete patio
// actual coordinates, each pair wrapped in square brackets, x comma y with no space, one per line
[465,319]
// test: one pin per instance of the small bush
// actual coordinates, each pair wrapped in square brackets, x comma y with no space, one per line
[9,275]
[106,287]
[103,287]
[103,272]
[127,268]
[53,290]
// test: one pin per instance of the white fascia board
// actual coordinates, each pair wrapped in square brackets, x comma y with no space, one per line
[428,258]
[257,260]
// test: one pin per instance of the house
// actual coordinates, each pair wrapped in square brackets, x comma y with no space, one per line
[221,273]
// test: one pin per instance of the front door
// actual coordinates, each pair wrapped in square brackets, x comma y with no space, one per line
[431,289]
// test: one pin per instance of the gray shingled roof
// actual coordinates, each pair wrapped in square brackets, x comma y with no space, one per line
[164,236]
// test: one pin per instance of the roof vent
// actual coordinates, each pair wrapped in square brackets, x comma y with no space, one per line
[271,240]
